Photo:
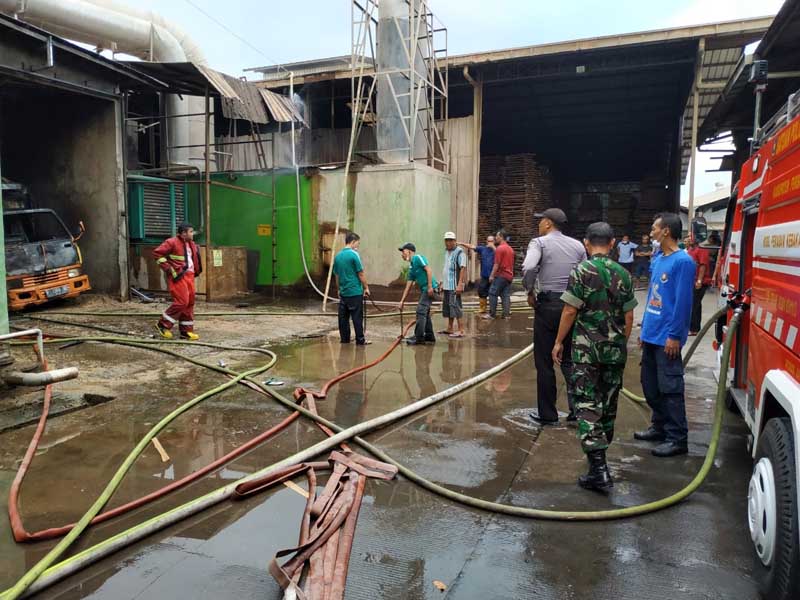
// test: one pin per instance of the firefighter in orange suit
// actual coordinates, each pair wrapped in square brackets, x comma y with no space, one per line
[179,258]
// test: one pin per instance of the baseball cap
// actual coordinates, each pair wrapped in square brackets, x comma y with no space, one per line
[408,246]
[449,235]
[556,215]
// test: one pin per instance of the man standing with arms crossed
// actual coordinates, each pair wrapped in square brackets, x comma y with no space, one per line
[548,264]
[454,278]
[352,284]
[599,302]
[665,328]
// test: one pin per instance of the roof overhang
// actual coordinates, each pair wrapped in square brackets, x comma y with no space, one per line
[37,57]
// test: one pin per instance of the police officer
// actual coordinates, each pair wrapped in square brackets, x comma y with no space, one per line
[599,302]
[548,262]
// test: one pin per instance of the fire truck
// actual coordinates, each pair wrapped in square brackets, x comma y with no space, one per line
[761,272]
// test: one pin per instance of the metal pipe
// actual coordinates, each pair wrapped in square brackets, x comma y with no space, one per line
[695,116]
[27,333]
[209,250]
[40,379]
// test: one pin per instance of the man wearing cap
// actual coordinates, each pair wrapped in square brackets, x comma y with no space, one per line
[419,272]
[548,263]
[453,279]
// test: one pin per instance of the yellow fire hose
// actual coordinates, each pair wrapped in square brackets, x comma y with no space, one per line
[47,571]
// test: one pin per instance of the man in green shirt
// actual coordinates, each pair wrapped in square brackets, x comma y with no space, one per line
[419,272]
[353,287]
[599,301]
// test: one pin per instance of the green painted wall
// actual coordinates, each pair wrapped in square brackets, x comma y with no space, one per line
[236,217]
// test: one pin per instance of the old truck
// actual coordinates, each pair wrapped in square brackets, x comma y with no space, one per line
[43,260]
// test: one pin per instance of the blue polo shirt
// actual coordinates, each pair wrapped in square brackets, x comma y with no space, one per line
[668,310]
[486,255]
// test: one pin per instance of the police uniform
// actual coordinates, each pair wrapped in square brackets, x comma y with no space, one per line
[602,291]
[546,269]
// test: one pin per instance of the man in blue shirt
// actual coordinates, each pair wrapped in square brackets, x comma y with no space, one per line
[353,287]
[486,255]
[419,272]
[665,328]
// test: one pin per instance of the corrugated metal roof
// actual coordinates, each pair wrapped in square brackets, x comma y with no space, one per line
[280,107]
[247,104]
[718,66]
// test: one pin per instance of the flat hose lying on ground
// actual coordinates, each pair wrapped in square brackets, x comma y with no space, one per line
[156,523]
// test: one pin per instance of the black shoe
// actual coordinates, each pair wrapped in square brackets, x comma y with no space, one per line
[651,434]
[364,343]
[430,340]
[598,478]
[543,422]
[572,417]
[670,449]
[413,342]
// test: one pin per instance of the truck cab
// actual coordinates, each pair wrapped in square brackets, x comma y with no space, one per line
[43,260]
[761,273]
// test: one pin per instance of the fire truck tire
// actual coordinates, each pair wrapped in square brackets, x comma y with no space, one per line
[773,496]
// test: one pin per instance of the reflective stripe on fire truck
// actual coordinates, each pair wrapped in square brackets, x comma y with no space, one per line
[778,241]
[756,183]
[777,267]
[764,319]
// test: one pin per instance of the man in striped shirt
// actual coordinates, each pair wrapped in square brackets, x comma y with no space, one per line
[453,279]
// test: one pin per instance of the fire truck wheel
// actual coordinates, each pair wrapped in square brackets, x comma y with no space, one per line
[772,514]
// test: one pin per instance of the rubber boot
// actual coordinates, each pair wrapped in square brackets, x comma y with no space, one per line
[598,478]
[483,303]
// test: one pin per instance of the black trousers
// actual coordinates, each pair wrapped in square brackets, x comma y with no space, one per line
[697,308]
[663,385]
[351,307]
[545,330]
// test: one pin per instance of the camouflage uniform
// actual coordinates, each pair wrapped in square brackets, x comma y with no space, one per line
[602,292]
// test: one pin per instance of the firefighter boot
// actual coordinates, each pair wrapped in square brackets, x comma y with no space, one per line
[598,478]
[483,303]
[189,335]
[163,331]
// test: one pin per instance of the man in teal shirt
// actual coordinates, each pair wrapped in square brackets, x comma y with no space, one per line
[419,272]
[352,288]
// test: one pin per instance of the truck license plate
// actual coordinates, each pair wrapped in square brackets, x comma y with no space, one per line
[55,292]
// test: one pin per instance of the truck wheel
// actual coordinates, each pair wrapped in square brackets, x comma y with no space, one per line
[772,513]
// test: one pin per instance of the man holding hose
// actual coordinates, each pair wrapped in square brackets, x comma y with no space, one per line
[599,301]
[419,272]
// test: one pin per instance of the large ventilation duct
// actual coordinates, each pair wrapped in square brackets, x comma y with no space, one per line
[396,100]
[113,25]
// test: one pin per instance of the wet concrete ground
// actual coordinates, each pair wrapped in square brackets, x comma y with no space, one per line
[480,443]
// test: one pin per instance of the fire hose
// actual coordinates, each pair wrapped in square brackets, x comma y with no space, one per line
[46,572]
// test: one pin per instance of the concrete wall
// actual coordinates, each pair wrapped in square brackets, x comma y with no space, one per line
[390,205]
[68,150]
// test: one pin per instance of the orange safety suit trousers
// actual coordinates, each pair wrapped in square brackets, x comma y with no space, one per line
[181,311]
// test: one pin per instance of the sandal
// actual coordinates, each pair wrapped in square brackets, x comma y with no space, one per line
[457,334]
[444,332]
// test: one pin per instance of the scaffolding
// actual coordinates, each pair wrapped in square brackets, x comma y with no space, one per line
[399,80]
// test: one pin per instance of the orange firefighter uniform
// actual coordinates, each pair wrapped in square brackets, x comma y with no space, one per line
[180,260]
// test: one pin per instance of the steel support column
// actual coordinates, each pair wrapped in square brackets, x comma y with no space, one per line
[698,80]
[209,266]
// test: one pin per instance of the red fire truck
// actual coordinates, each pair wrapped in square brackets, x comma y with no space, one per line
[762,269]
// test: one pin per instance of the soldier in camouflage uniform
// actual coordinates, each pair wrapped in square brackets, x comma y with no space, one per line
[599,301]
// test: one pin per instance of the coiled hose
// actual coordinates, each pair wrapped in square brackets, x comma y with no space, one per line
[45,572]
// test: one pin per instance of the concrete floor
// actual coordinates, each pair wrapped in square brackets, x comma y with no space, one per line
[480,443]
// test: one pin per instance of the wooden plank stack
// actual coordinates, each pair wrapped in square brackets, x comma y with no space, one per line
[512,189]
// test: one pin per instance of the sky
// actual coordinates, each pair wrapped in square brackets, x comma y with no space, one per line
[289,31]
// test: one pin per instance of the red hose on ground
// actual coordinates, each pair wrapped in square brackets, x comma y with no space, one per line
[22,535]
